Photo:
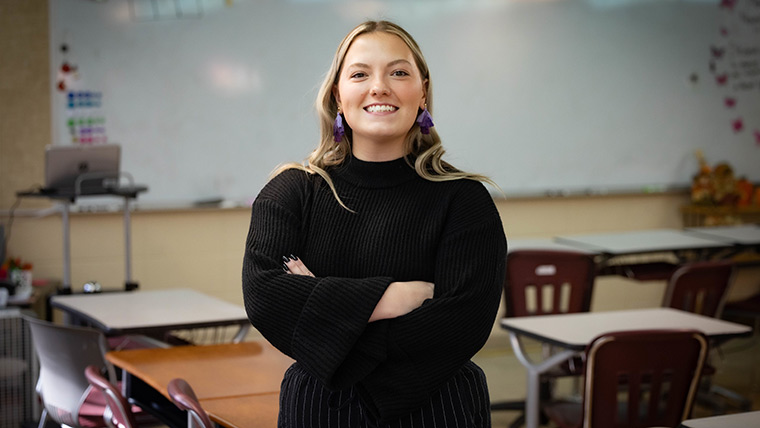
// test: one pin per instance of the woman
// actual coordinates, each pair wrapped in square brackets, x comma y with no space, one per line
[393,259]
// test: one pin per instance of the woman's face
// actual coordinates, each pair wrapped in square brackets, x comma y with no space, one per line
[379,91]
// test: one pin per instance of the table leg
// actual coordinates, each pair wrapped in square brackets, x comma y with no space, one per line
[66,247]
[532,394]
[241,333]
[128,283]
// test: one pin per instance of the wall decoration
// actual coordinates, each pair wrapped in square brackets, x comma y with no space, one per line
[735,61]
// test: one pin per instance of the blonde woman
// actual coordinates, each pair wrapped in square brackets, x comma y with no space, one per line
[376,265]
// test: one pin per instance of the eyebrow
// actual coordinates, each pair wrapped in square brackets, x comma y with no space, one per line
[390,64]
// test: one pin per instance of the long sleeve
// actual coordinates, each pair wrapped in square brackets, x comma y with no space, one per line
[316,321]
[401,227]
[432,342]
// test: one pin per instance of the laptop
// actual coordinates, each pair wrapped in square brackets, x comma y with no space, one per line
[98,166]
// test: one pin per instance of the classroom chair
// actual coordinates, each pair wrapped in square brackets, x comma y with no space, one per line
[746,308]
[184,397]
[118,411]
[636,379]
[701,288]
[64,352]
[544,282]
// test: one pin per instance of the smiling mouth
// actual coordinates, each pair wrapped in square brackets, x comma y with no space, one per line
[380,108]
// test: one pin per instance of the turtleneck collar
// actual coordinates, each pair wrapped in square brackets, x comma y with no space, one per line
[375,174]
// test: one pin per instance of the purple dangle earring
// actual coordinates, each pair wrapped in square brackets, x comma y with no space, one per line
[425,121]
[338,130]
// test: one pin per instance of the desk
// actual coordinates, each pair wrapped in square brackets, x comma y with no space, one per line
[642,241]
[237,383]
[748,234]
[573,332]
[249,411]
[736,420]
[66,199]
[152,312]
[610,246]
[542,244]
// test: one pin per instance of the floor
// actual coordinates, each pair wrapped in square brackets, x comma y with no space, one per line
[737,361]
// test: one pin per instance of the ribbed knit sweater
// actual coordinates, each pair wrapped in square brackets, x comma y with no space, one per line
[403,228]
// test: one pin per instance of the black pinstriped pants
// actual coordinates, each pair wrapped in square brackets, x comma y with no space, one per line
[463,402]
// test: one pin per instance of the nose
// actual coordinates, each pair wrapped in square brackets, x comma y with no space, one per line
[379,86]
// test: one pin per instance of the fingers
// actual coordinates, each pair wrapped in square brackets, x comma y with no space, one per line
[293,265]
[427,289]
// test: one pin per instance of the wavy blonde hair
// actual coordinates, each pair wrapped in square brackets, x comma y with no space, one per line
[426,149]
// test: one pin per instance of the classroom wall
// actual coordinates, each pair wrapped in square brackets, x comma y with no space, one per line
[25,110]
[202,248]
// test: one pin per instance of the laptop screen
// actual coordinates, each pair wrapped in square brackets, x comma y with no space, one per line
[94,166]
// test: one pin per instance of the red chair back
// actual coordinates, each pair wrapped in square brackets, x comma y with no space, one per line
[642,378]
[119,410]
[542,282]
[184,397]
[700,287]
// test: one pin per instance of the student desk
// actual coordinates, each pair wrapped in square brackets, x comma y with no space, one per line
[542,244]
[743,235]
[65,199]
[736,420]
[573,332]
[642,241]
[237,384]
[152,312]
[646,244]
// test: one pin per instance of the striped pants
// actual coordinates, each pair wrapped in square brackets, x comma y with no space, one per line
[463,402]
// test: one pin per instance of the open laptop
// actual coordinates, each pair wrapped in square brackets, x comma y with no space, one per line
[97,165]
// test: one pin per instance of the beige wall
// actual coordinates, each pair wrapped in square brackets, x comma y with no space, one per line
[202,249]
[25,94]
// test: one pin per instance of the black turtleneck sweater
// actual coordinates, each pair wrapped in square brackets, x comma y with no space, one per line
[403,228]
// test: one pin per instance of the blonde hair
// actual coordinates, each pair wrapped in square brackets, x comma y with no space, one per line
[426,149]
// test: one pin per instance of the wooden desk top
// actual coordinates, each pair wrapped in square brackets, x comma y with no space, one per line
[248,411]
[214,371]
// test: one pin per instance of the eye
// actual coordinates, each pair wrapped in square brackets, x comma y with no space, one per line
[399,73]
[358,75]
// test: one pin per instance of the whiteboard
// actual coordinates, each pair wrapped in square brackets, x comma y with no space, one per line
[545,97]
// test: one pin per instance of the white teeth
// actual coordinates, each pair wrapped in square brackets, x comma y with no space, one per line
[378,108]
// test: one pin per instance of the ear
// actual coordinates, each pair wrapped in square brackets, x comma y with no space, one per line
[336,94]
[423,102]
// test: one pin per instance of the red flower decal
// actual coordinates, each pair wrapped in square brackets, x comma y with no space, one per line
[738,125]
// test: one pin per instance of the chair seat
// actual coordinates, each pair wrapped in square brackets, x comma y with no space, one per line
[571,367]
[565,414]
[708,369]
[91,412]
[652,271]
[748,307]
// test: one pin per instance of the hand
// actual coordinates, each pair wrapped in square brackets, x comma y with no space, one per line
[400,298]
[293,265]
